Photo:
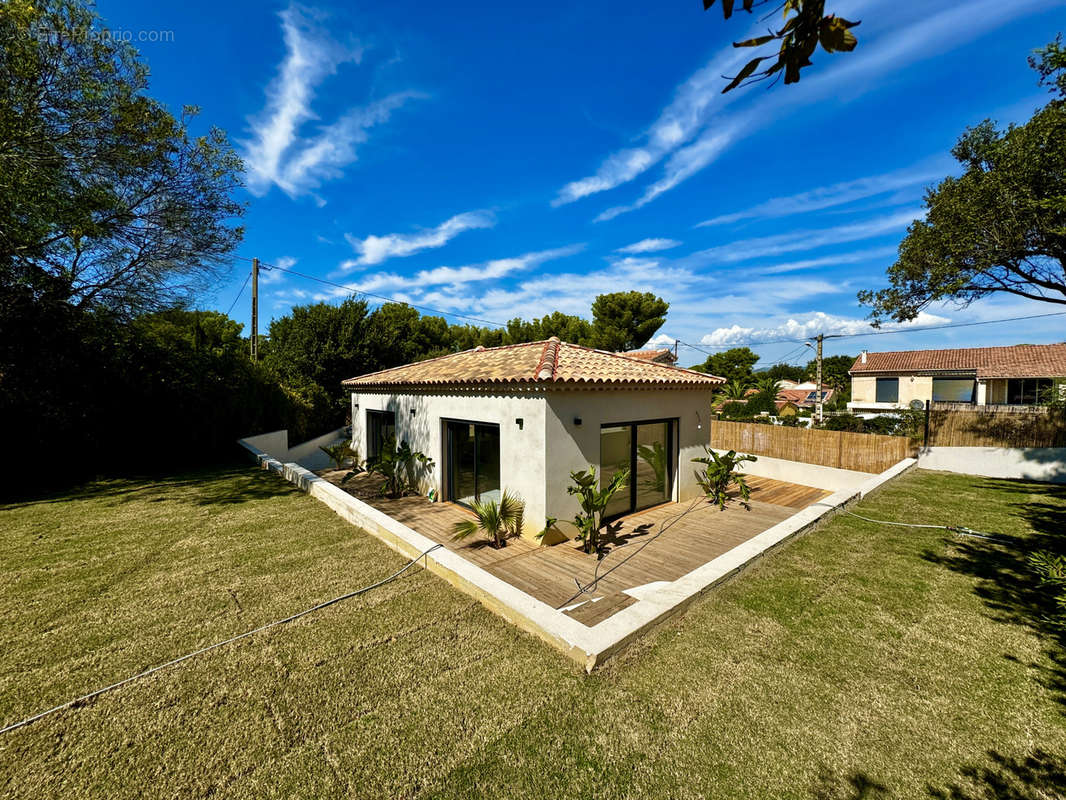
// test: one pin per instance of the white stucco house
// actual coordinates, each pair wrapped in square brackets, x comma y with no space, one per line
[522,417]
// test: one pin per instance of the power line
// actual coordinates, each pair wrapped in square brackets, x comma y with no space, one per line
[383,298]
[875,332]
[238,297]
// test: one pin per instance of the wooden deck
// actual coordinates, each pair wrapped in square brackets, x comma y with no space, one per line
[672,540]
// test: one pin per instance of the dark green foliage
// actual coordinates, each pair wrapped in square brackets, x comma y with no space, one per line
[626,320]
[400,468]
[565,327]
[758,403]
[834,371]
[734,364]
[735,410]
[792,421]
[594,502]
[719,473]
[91,384]
[844,422]
[1000,226]
[785,372]
[108,201]
[792,45]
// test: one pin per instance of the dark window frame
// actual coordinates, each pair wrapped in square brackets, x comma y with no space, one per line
[884,382]
[449,476]
[1023,396]
[376,421]
[673,448]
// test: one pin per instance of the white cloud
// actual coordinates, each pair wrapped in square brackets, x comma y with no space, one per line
[825,261]
[272,277]
[837,194]
[649,246]
[678,122]
[808,326]
[711,132]
[456,278]
[375,249]
[747,249]
[276,153]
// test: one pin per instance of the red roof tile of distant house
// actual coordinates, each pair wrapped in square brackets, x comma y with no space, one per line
[1016,361]
[551,364]
[662,355]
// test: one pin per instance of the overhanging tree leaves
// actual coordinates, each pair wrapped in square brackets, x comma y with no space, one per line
[106,199]
[998,228]
[807,28]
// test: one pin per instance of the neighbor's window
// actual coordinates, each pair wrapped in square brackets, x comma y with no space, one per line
[888,390]
[1028,391]
[954,390]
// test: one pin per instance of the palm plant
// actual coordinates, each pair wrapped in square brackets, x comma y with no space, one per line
[594,503]
[400,468]
[768,385]
[340,452]
[499,520]
[735,389]
[719,473]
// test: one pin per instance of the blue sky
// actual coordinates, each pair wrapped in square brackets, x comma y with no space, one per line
[495,163]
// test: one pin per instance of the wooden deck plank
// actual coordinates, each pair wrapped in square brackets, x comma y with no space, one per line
[657,544]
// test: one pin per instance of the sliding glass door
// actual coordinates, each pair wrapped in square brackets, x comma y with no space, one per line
[646,450]
[472,455]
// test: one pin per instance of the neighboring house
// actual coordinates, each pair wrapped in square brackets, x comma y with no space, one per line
[662,355]
[1021,375]
[522,417]
[804,395]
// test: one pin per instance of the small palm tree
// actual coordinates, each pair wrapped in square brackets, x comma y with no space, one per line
[499,520]
[769,386]
[735,389]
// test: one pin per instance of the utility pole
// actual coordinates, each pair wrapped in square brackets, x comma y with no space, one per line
[818,379]
[255,309]
[676,343]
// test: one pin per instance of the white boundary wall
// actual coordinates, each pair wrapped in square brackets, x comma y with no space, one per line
[1028,463]
[588,646]
[831,479]
[306,454]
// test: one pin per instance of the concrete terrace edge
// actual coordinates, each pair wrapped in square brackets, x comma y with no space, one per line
[590,647]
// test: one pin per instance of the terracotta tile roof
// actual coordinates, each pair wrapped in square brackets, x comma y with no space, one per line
[551,363]
[663,355]
[799,397]
[1017,361]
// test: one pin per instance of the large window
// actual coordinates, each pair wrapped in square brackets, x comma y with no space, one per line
[646,449]
[1028,391]
[472,453]
[380,428]
[888,390]
[954,390]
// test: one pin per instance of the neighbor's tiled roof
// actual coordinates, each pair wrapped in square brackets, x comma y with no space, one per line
[663,355]
[1017,361]
[548,363]
[799,396]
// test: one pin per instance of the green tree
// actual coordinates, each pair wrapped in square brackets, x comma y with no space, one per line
[734,364]
[834,371]
[1000,227]
[792,45]
[785,372]
[626,320]
[108,201]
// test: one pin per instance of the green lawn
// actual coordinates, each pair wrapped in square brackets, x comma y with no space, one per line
[859,662]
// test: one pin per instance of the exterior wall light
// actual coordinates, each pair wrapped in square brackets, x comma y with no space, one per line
[520,423]
[577,421]
[412,412]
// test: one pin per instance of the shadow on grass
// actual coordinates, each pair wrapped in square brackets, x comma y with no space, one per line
[1038,776]
[216,485]
[1006,582]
